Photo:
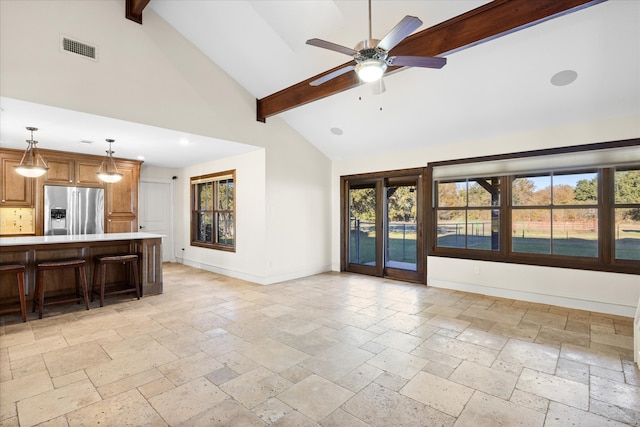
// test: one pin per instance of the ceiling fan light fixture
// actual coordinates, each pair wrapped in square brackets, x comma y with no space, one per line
[108,172]
[32,164]
[371,70]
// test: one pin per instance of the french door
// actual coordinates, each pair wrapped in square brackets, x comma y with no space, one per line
[382,225]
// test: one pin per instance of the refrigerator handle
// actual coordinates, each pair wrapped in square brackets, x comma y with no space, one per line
[81,229]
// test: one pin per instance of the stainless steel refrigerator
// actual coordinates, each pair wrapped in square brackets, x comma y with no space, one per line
[73,210]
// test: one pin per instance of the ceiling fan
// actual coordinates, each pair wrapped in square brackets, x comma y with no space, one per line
[371,56]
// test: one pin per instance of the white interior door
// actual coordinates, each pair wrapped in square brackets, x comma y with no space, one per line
[156,212]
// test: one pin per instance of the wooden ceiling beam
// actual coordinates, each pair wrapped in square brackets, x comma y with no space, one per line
[134,10]
[487,22]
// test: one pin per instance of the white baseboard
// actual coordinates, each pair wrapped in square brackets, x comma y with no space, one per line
[575,303]
[261,280]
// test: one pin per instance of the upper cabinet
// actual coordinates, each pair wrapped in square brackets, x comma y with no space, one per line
[15,190]
[66,170]
[74,170]
[121,199]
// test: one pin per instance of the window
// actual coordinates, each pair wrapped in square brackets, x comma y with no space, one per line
[468,214]
[573,207]
[213,211]
[627,214]
[555,213]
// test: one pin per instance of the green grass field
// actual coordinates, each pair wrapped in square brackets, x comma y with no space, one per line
[584,246]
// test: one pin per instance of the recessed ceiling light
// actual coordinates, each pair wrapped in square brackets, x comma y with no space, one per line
[564,78]
[184,141]
[336,131]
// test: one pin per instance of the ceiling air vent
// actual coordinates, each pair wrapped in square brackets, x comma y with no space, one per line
[79,48]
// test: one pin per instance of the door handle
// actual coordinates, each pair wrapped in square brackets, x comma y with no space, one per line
[141,227]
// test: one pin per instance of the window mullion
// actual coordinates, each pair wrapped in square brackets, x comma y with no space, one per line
[605,215]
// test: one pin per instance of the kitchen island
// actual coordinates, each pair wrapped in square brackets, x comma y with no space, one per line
[29,250]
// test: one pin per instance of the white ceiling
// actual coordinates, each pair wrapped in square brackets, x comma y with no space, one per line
[496,88]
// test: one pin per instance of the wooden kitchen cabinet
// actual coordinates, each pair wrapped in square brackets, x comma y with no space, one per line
[121,199]
[72,169]
[15,190]
[80,171]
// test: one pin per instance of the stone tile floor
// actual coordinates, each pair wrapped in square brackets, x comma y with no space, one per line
[329,350]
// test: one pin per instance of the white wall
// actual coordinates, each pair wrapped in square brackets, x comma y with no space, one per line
[248,261]
[150,74]
[588,290]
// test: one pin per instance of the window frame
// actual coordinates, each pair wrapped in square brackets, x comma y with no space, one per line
[604,261]
[214,178]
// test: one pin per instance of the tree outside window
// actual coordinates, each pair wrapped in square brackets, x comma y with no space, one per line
[213,210]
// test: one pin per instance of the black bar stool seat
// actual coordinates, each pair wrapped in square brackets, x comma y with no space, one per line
[81,293]
[130,261]
[18,270]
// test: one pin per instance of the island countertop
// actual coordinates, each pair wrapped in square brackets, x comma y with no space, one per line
[29,250]
[75,238]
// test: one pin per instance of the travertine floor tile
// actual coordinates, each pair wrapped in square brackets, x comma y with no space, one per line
[623,395]
[187,401]
[273,355]
[485,410]
[490,381]
[462,350]
[189,368]
[24,387]
[52,403]
[126,409]
[590,356]
[439,393]
[381,407]
[554,388]
[255,387]
[560,415]
[328,397]
[225,413]
[531,355]
[336,361]
[483,338]
[332,349]
[70,359]
[398,340]
[402,364]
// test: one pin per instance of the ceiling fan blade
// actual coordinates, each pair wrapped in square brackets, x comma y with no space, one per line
[418,61]
[378,88]
[333,75]
[406,26]
[331,46]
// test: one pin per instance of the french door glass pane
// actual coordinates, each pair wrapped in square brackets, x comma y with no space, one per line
[402,227]
[362,226]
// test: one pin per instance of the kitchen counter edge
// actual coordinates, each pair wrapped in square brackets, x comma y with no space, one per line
[103,237]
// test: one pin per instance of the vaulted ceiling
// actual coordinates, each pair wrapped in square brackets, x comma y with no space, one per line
[500,85]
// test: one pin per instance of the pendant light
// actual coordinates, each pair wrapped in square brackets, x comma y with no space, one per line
[32,164]
[108,172]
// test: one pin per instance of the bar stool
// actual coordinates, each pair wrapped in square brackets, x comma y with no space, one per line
[18,270]
[100,275]
[81,283]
